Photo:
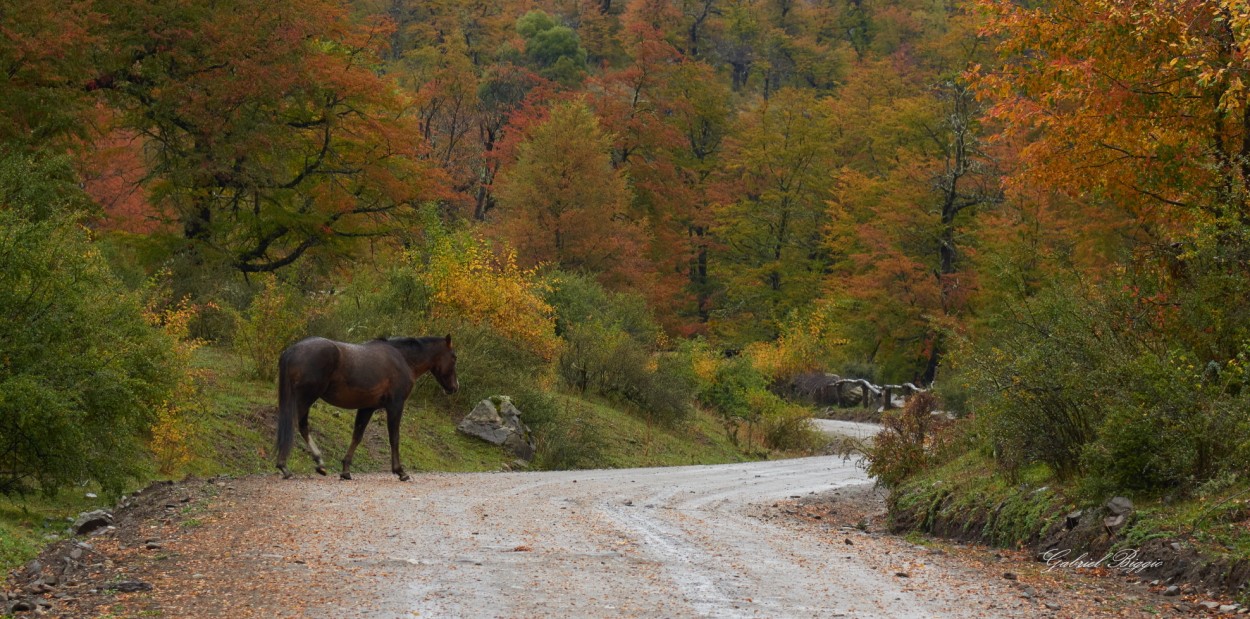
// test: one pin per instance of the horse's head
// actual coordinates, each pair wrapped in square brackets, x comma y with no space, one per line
[443,367]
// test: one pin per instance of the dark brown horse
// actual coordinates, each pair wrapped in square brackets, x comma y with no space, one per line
[366,377]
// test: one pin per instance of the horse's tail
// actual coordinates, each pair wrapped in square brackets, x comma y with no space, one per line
[287,410]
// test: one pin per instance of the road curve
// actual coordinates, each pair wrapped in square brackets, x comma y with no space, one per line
[836,427]
[659,542]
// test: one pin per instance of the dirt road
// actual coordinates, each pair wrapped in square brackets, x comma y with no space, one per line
[791,538]
[673,542]
[846,428]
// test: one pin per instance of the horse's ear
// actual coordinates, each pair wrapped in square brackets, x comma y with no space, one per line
[449,340]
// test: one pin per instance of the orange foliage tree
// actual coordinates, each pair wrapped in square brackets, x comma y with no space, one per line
[268,129]
[1143,107]
[563,203]
[667,117]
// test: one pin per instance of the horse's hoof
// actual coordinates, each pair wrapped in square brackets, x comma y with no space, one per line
[404,477]
[321,470]
[345,475]
[286,474]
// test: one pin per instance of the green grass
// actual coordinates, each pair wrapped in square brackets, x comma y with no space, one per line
[988,507]
[235,437]
[629,441]
[27,523]
[1217,522]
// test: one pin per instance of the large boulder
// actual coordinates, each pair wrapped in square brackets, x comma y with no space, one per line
[496,420]
[88,522]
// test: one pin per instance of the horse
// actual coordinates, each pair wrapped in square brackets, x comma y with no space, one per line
[378,374]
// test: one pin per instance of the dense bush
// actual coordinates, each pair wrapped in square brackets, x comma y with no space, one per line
[611,340]
[730,390]
[1041,383]
[578,298]
[1093,381]
[566,436]
[788,427]
[277,317]
[806,343]
[1180,424]
[81,371]
[738,393]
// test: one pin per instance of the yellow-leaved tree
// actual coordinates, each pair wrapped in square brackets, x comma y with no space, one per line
[469,282]
[172,429]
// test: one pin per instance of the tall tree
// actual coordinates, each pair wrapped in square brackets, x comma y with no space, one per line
[553,49]
[44,65]
[564,203]
[701,114]
[268,129]
[1142,112]
[904,229]
[1144,106]
[773,254]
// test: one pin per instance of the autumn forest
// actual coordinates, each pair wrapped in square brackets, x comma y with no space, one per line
[1039,209]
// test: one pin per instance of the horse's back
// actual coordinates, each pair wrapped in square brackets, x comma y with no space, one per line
[310,349]
[312,359]
[346,374]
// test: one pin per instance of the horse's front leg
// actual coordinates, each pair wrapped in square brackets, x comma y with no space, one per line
[393,415]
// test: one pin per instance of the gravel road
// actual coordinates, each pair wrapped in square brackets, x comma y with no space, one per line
[664,542]
[846,428]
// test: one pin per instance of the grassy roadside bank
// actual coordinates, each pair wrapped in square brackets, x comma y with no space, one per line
[1201,543]
[234,436]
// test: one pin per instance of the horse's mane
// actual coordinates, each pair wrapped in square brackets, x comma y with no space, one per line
[419,343]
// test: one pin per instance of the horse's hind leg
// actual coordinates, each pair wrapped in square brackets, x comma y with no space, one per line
[362,421]
[393,415]
[312,444]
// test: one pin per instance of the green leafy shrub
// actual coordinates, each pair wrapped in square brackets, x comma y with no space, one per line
[577,298]
[566,438]
[81,371]
[788,427]
[729,392]
[605,360]
[1094,381]
[1041,383]
[610,350]
[454,284]
[953,395]
[1176,428]
[278,316]
[739,394]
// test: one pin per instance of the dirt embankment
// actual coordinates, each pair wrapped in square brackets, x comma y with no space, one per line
[85,575]
[1036,522]
[1054,588]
